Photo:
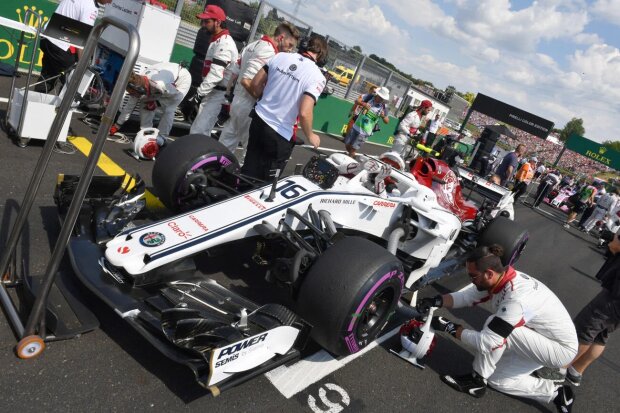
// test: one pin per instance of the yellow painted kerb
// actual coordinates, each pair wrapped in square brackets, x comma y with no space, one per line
[109,167]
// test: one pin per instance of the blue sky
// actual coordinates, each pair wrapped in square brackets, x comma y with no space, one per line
[558,59]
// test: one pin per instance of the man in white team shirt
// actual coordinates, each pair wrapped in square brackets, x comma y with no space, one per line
[289,86]
[221,55]
[529,328]
[253,57]
[164,83]
[58,55]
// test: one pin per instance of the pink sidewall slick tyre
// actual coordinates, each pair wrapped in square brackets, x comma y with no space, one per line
[349,294]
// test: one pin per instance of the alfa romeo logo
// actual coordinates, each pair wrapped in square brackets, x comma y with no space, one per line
[152,239]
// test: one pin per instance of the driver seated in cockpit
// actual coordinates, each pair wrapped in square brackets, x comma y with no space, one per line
[377,170]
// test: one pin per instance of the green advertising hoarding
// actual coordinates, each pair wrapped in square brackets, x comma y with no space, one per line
[593,150]
[9,38]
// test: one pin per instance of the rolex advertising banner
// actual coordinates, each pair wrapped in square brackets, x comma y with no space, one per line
[593,150]
[513,116]
[9,38]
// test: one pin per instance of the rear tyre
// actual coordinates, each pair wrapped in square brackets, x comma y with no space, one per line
[509,235]
[349,294]
[183,166]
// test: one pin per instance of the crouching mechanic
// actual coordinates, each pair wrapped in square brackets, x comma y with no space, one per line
[253,57]
[408,126]
[530,328]
[216,72]
[165,84]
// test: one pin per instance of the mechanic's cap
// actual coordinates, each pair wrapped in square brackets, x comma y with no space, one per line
[383,93]
[212,12]
[426,104]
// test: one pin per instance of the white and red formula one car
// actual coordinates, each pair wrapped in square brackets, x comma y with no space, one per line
[345,238]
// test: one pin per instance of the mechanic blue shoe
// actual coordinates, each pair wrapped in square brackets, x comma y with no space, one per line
[472,384]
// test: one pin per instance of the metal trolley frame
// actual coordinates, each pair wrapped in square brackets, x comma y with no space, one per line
[33,334]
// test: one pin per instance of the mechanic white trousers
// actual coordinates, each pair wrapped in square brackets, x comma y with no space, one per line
[401,142]
[597,215]
[237,129]
[508,368]
[168,107]
[207,113]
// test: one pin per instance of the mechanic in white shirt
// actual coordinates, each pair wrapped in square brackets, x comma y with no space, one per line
[604,206]
[540,170]
[530,328]
[221,56]
[58,56]
[253,57]
[409,125]
[289,86]
[165,84]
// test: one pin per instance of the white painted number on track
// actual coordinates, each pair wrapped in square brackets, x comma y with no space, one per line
[331,406]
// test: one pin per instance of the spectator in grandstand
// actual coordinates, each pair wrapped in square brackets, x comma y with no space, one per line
[373,109]
[509,163]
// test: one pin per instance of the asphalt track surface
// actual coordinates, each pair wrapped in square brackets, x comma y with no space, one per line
[114,369]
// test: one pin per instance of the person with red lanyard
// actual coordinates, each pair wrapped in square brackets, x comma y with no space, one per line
[408,126]
[253,57]
[58,56]
[530,329]
[288,86]
[221,55]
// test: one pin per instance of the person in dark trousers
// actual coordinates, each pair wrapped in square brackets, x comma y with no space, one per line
[509,164]
[58,56]
[523,178]
[548,182]
[289,86]
[599,317]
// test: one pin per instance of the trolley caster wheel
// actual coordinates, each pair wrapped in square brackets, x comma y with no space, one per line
[22,142]
[29,347]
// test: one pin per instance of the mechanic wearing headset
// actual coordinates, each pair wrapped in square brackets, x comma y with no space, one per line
[530,329]
[221,55]
[164,83]
[408,126]
[289,86]
[253,57]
